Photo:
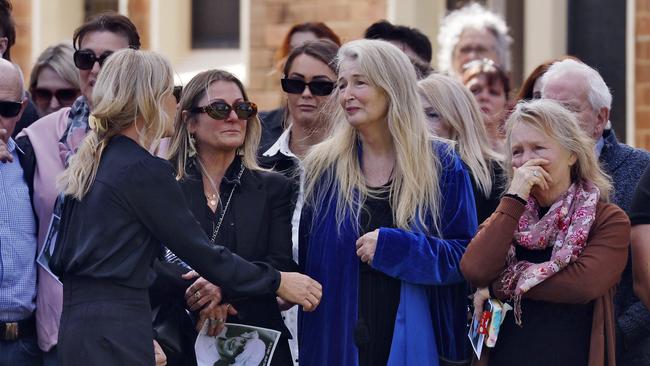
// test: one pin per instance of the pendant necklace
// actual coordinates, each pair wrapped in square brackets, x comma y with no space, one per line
[213,199]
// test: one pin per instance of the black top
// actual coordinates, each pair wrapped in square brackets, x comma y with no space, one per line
[640,209]
[551,333]
[272,129]
[133,205]
[379,294]
[486,205]
[30,115]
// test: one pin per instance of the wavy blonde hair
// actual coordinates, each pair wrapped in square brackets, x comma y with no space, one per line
[458,108]
[561,125]
[415,192]
[196,89]
[132,85]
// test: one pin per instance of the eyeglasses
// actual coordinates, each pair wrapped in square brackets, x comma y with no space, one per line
[85,59]
[221,110]
[65,97]
[316,87]
[10,109]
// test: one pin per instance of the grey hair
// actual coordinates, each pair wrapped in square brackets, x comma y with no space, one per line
[598,94]
[472,16]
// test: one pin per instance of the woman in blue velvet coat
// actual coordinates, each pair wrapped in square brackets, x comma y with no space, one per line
[389,211]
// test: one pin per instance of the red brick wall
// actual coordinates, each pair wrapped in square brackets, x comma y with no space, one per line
[139,13]
[21,52]
[270,21]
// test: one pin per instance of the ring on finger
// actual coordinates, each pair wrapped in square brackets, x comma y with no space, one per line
[535,173]
[197,295]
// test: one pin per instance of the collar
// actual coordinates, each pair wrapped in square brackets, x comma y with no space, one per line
[11,146]
[281,145]
[231,176]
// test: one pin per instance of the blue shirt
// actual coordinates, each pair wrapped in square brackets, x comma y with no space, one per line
[17,243]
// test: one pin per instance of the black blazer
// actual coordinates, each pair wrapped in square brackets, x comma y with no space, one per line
[256,226]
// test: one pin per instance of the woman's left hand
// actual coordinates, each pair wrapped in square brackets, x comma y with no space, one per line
[201,292]
[366,246]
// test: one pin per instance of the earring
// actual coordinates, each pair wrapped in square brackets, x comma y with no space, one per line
[191,145]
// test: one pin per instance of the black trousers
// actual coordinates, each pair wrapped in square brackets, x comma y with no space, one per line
[104,323]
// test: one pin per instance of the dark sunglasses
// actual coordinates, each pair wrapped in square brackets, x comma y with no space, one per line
[64,96]
[316,87]
[10,109]
[221,110]
[85,59]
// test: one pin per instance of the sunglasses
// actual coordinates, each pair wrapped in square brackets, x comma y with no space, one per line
[85,59]
[221,110]
[316,87]
[10,109]
[63,96]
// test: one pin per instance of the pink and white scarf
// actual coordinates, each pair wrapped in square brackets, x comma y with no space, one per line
[565,227]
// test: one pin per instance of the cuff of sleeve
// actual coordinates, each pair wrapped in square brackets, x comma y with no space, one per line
[379,260]
[512,207]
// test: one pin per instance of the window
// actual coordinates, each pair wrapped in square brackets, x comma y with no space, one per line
[215,24]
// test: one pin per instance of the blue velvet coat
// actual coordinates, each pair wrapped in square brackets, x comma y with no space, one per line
[432,315]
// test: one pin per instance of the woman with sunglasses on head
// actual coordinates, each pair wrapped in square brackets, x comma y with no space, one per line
[54,82]
[388,213]
[238,205]
[120,203]
[308,80]
[491,88]
[51,141]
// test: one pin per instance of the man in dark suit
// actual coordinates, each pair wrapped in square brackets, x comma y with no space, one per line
[582,90]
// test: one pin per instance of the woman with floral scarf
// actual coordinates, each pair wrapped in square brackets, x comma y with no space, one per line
[555,248]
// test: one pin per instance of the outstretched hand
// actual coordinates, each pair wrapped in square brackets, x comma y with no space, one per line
[300,289]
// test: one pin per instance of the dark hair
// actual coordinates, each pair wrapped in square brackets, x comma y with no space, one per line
[108,22]
[490,69]
[412,37]
[7,26]
[526,90]
[320,29]
[323,50]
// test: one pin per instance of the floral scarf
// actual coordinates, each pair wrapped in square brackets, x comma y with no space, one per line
[565,227]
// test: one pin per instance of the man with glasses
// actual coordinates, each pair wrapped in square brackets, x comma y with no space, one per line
[18,345]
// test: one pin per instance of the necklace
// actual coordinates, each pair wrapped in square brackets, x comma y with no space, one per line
[213,199]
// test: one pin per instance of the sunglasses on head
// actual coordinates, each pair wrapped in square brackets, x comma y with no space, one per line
[221,110]
[316,87]
[85,59]
[10,109]
[64,96]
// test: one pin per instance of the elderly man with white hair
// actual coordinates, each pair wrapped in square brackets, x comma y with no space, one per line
[472,33]
[18,345]
[582,90]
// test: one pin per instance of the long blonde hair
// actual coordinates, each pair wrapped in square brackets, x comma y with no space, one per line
[415,192]
[458,108]
[195,90]
[131,85]
[561,125]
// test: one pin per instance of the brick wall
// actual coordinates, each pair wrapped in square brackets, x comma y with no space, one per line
[21,51]
[139,11]
[270,21]
[642,76]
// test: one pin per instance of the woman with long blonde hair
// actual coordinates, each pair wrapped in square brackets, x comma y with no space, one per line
[452,113]
[388,212]
[120,203]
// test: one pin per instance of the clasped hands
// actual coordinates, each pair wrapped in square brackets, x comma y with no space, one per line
[207,297]
[366,246]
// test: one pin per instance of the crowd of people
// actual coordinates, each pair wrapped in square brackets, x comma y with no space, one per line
[365,220]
